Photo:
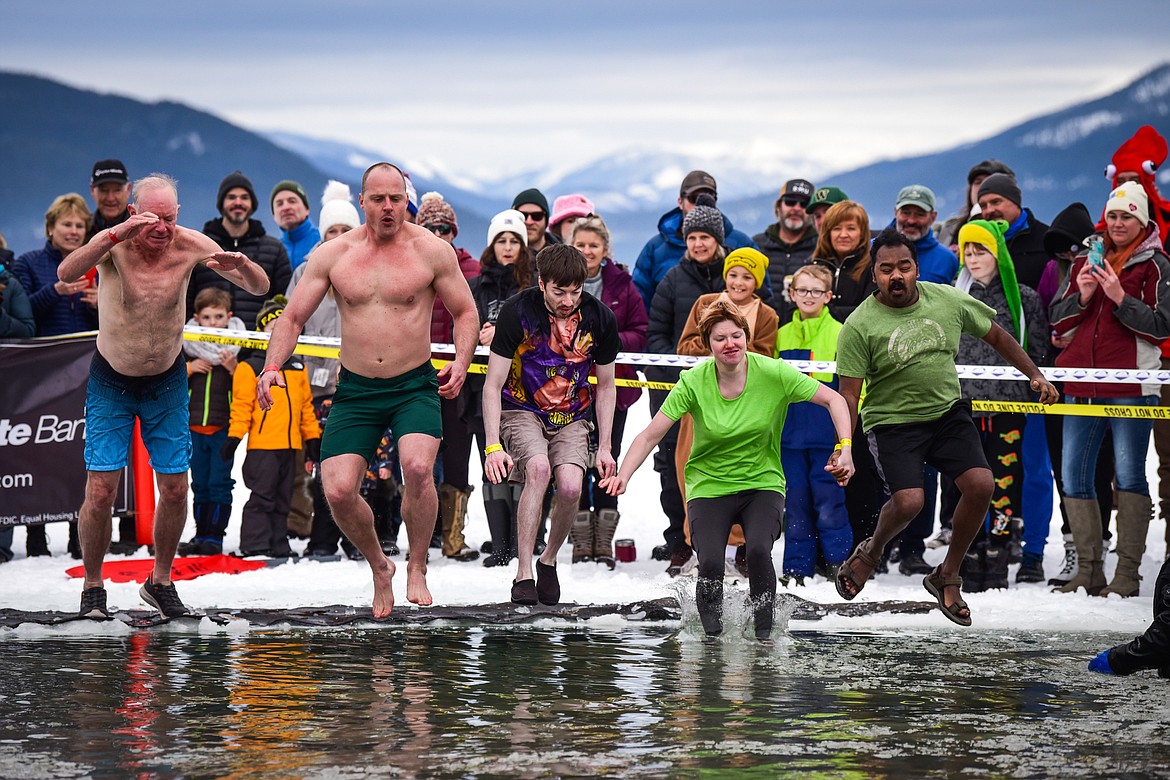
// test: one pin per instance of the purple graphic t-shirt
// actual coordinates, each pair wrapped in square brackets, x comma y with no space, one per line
[551,358]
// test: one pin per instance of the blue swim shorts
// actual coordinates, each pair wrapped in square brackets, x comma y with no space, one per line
[160,402]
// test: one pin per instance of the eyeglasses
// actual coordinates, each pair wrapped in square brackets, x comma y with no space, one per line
[534,216]
[792,200]
[442,229]
[804,292]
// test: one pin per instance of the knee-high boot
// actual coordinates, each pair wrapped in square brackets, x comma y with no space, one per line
[453,510]
[497,505]
[1084,518]
[1133,521]
[605,526]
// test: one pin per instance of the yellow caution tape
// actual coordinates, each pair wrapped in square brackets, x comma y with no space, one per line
[260,341]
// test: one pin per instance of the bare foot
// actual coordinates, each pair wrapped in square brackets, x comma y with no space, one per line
[416,586]
[384,590]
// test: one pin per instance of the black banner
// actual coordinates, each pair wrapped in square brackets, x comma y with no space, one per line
[42,430]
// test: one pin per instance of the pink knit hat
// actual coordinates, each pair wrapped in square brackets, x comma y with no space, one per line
[570,206]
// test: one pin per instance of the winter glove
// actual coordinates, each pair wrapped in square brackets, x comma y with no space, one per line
[228,450]
[313,450]
[1100,663]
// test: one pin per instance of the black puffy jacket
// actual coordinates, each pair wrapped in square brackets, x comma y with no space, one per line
[262,249]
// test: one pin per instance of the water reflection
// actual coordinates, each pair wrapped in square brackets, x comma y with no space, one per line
[571,701]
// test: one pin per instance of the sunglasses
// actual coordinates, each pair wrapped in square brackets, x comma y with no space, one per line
[792,200]
[442,230]
[694,196]
[534,216]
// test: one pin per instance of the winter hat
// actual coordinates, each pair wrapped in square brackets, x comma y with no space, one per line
[826,196]
[272,308]
[411,195]
[704,218]
[986,168]
[1144,153]
[570,206]
[531,197]
[1069,230]
[989,234]
[337,207]
[752,259]
[230,182]
[1130,198]
[509,221]
[1003,185]
[433,210]
[291,186]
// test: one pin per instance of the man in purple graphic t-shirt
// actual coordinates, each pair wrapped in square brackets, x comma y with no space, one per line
[538,407]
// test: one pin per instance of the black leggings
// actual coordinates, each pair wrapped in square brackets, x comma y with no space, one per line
[761,515]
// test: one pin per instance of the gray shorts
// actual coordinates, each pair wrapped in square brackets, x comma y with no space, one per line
[524,436]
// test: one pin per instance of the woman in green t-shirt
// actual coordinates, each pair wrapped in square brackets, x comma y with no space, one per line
[738,402]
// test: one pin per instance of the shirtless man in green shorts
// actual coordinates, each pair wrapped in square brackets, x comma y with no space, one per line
[385,275]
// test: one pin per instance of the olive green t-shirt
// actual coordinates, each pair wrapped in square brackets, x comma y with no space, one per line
[907,356]
[737,441]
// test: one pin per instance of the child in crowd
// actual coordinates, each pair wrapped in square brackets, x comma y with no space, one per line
[817,525]
[209,383]
[274,438]
[989,276]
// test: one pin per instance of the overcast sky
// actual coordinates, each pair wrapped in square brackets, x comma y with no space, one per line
[485,88]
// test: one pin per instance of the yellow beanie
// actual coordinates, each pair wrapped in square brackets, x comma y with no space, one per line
[752,259]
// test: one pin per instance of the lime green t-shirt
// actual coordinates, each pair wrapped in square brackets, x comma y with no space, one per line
[907,356]
[737,441]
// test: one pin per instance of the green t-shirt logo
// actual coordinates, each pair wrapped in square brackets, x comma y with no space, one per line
[914,339]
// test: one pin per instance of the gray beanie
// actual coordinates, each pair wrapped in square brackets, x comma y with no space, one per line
[704,218]
[1003,185]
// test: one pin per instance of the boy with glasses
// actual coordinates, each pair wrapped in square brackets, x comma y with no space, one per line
[817,523]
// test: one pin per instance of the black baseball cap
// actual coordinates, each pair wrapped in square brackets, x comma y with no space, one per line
[108,170]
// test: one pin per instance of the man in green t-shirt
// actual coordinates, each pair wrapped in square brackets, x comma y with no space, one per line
[902,343]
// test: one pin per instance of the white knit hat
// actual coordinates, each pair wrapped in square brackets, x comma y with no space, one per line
[337,207]
[1132,199]
[510,221]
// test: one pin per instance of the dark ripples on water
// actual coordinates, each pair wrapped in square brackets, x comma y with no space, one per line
[573,701]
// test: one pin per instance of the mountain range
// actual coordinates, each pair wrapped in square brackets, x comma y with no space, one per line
[55,132]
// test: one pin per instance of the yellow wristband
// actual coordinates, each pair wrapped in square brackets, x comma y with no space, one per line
[488,450]
[843,443]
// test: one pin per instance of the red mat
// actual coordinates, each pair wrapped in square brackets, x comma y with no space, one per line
[138,569]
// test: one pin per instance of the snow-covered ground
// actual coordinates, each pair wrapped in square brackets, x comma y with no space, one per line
[41,583]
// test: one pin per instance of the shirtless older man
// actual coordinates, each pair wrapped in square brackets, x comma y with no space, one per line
[385,275]
[144,265]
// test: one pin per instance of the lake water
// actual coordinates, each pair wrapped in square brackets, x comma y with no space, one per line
[607,699]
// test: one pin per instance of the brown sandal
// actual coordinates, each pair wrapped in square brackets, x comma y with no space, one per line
[934,583]
[848,571]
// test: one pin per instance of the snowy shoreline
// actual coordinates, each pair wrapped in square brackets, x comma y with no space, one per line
[40,584]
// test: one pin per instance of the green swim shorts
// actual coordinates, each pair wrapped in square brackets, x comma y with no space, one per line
[363,408]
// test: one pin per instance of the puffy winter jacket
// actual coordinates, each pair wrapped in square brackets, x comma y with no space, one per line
[442,326]
[262,249]
[784,260]
[288,423]
[848,293]
[16,316]
[1026,246]
[55,314]
[673,300]
[1107,336]
[621,296]
[977,352]
[665,250]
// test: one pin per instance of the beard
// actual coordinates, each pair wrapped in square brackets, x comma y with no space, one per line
[794,224]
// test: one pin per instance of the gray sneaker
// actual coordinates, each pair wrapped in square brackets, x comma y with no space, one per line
[164,598]
[93,604]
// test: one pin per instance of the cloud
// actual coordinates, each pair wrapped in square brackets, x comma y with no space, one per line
[486,87]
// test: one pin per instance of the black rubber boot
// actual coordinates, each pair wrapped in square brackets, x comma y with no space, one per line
[501,524]
[995,561]
[974,567]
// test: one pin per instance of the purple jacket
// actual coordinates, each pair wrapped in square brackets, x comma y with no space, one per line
[621,296]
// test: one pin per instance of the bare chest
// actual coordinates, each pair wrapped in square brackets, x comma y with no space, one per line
[365,284]
[141,289]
